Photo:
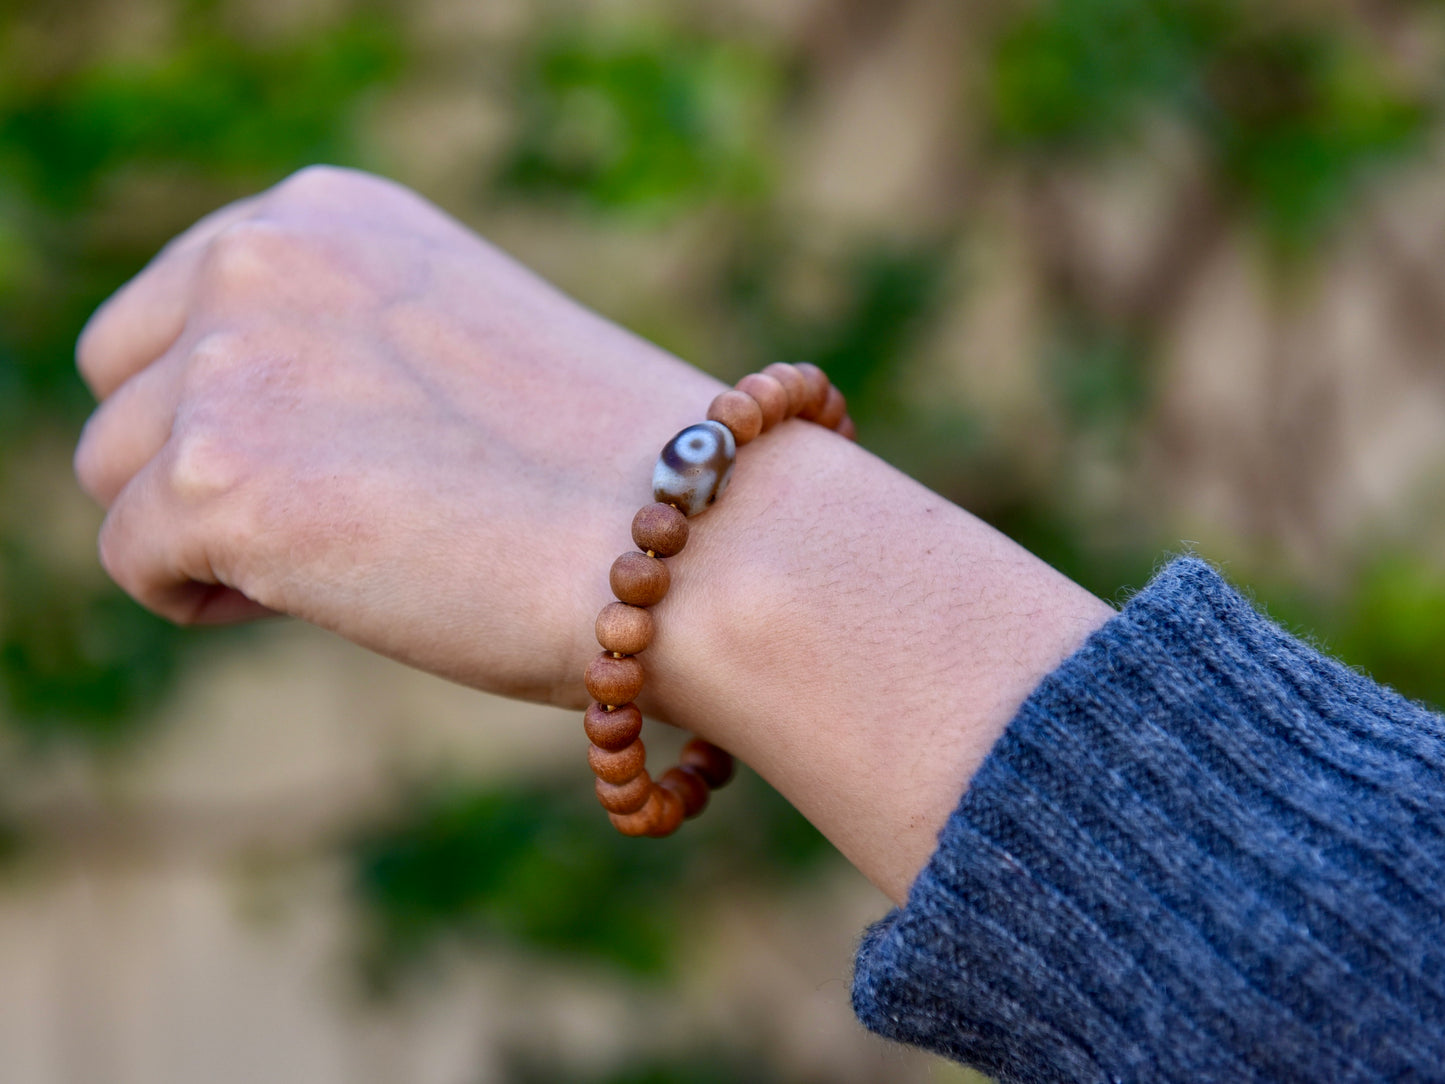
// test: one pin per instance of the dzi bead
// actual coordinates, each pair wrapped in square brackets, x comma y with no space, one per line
[694,467]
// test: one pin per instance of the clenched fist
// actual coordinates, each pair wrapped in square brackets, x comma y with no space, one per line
[335,402]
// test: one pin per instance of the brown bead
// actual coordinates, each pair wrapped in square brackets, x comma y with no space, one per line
[660,528]
[671,815]
[713,764]
[740,412]
[611,680]
[624,629]
[626,797]
[660,815]
[638,580]
[833,410]
[644,819]
[846,428]
[789,377]
[617,765]
[688,785]
[769,394]
[612,729]
[818,386]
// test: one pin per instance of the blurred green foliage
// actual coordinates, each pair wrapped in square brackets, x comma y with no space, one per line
[645,123]
[1072,75]
[708,1065]
[1292,110]
[77,662]
[215,104]
[533,864]
[886,295]
[1100,378]
[1390,623]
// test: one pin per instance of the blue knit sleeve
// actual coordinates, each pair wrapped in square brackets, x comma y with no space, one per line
[1201,851]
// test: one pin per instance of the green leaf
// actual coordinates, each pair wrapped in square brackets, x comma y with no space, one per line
[644,124]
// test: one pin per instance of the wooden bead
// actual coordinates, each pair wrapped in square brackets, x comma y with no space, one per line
[846,428]
[771,397]
[740,412]
[650,817]
[612,729]
[617,765]
[626,797]
[833,410]
[636,824]
[624,629]
[713,764]
[689,786]
[818,386]
[611,680]
[671,815]
[660,528]
[638,580]
[792,380]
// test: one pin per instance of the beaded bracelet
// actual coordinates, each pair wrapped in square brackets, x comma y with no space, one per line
[691,472]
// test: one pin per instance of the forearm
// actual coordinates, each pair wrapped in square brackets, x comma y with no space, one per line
[858,640]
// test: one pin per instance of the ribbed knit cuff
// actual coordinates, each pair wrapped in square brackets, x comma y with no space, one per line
[1201,851]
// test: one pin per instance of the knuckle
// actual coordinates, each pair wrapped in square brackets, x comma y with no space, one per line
[250,255]
[203,465]
[316,184]
[214,356]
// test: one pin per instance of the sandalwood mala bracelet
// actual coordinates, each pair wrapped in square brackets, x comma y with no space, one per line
[691,472]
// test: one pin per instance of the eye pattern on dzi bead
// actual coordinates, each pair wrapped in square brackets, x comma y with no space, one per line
[694,467]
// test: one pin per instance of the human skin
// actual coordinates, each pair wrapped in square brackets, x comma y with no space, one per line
[334,402]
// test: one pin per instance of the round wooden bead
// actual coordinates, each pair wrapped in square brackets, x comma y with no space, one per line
[644,819]
[695,466]
[671,814]
[638,580]
[833,410]
[713,764]
[846,428]
[660,528]
[687,785]
[789,377]
[617,765]
[611,680]
[771,397]
[818,386]
[660,816]
[612,729]
[626,797]
[624,629]
[740,412]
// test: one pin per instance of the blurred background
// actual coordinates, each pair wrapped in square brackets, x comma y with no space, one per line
[1124,277]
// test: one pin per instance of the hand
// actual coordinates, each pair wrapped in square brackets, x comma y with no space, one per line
[334,402]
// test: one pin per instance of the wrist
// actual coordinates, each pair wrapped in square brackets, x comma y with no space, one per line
[856,639]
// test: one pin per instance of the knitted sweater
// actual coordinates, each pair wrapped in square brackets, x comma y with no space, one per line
[1201,851]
